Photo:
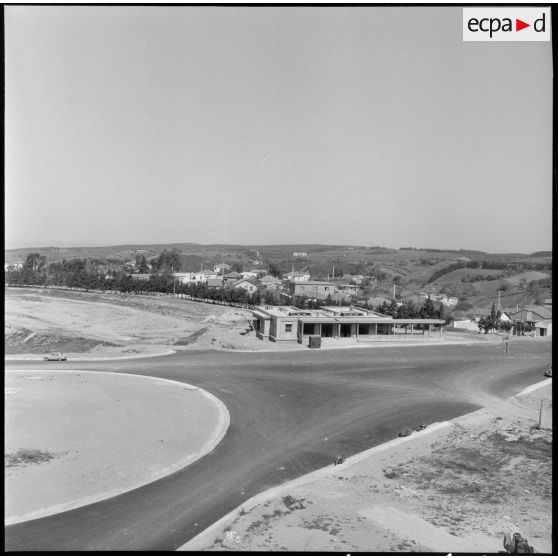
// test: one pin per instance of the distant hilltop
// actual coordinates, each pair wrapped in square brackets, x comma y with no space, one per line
[300,249]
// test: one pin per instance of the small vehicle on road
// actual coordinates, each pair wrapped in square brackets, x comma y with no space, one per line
[548,373]
[56,356]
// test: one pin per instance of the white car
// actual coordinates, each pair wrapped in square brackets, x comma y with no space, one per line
[56,356]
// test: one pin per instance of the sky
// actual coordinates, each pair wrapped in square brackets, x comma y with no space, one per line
[240,125]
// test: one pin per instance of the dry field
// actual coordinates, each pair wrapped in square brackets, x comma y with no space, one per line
[456,489]
[38,321]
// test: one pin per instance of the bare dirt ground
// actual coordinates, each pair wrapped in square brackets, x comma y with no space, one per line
[39,321]
[457,488]
[72,438]
[78,324]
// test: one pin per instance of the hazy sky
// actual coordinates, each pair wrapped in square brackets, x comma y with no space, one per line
[273,125]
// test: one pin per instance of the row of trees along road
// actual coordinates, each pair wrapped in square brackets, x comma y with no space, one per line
[97,275]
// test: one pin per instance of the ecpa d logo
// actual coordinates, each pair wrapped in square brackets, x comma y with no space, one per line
[506,24]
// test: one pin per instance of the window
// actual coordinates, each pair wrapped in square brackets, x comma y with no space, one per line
[288,328]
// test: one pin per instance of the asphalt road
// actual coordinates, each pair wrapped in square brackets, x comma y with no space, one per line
[291,413]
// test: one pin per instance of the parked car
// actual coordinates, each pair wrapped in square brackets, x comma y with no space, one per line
[548,373]
[56,356]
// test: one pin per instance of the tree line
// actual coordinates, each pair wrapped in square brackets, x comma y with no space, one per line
[98,275]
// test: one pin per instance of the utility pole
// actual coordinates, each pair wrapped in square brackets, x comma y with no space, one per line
[394,291]
[523,315]
[499,299]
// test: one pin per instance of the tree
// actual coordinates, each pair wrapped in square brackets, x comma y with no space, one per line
[168,261]
[275,270]
[141,264]
[505,326]
[428,310]
[34,262]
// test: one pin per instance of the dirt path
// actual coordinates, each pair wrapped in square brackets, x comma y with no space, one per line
[455,488]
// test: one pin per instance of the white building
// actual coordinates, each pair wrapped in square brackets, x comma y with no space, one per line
[297,276]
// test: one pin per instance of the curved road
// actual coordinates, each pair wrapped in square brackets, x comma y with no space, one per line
[291,413]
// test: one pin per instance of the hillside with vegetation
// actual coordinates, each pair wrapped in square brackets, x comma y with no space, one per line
[476,279]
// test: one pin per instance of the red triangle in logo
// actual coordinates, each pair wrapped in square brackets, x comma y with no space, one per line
[519,25]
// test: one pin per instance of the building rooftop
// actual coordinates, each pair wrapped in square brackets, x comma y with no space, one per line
[270,279]
[334,314]
[351,311]
[250,280]
[542,311]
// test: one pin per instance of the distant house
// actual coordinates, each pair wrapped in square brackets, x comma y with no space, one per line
[185,278]
[313,289]
[356,278]
[297,276]
[216,283]
[505,317]
[248,285]
[548,302]
[442,298]
[14,266]
[530,315]
[259,272]
[270,283]
[300,254]
[248,274]
[221,268]
[190,277]
[232,275]
[204,275]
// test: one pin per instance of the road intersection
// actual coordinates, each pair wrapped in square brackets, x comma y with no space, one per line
[291,413]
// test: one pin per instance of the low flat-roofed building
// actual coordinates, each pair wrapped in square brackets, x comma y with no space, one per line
[297,276]
[288,323]
[543,328]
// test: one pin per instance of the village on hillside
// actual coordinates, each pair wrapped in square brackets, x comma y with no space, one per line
[509,295]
